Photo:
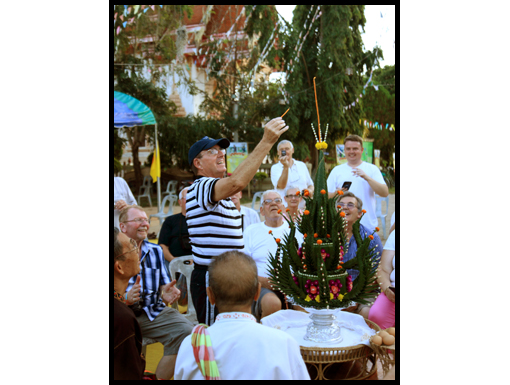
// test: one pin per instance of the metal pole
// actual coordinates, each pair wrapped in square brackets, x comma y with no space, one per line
[159,179]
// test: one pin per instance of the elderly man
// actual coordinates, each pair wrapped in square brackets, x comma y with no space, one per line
[241,348]
[290,172]
[214,223]
[352,206]
[127,336]
[156,319]
[259,241]
[174,236]
[365,178]
[250,216]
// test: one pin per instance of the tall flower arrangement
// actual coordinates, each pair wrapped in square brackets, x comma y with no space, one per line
[315,274]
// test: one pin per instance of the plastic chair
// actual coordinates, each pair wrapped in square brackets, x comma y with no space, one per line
[171,188]
[255,197]
[161,215]
[179,265]
[146,187]
[378,211]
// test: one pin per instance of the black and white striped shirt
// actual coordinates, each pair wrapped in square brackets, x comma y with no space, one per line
[214,227]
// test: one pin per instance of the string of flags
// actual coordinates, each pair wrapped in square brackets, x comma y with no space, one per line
[369,83]
[377,125]
[134,11]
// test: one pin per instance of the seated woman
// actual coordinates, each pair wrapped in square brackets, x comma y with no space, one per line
[382,311]
[293,202]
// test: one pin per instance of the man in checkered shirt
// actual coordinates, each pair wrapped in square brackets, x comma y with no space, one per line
[154,293]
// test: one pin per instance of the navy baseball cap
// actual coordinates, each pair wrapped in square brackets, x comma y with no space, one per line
[205,144]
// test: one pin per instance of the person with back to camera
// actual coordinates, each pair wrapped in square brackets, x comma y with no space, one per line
[236,347]
[214,223]
[382,311]
[365,178]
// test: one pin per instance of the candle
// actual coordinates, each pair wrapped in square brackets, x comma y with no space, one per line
[317,105]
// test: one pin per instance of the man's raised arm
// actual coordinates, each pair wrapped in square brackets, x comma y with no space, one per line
[245,172]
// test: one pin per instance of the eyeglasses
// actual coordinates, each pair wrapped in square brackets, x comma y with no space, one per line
[139,220]
[269,201]
[292,196]
[214,151]
[135,248]
[349,205]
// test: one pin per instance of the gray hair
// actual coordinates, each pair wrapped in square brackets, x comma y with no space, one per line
[243,288]
[180,194]
[270,191]
[284,142]
[349,194]
[117,246]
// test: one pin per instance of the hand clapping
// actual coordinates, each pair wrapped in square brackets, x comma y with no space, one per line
[169,293]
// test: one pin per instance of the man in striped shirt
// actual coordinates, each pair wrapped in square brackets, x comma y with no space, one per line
[214,223]
[150,296]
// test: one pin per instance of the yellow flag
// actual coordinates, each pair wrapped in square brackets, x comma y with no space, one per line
[156,166]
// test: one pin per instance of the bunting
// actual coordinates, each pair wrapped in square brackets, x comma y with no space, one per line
[377,125]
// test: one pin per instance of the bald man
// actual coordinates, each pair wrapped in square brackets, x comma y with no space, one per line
[237,339]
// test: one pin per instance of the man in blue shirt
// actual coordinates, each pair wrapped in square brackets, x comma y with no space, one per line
[151,297]
[352,206]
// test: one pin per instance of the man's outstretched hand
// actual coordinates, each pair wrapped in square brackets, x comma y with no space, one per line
[169,293]
[274,129]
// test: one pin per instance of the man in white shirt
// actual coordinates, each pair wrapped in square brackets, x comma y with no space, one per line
[259,241]
[122,198]
[290,172]
[250,216]
[238,348]
[366,180]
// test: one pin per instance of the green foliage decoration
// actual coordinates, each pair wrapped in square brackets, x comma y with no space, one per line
[323,226]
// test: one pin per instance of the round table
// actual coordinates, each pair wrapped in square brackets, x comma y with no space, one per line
[354,360]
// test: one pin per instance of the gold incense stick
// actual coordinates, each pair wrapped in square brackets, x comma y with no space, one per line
[317,104]
[285,112]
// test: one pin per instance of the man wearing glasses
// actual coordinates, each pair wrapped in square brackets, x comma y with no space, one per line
[214,223]
[151,306]
[289,172]
[352,206]
[365,179]
[259,242]
[293,199]
[127,336]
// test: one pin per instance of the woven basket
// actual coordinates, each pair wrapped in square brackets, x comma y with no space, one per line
[386,355]
[324,357]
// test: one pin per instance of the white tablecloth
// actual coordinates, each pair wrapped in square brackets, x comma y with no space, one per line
[355,330]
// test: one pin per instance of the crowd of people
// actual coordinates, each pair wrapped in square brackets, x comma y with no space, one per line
[230,246]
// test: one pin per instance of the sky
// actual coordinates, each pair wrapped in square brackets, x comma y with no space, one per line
[378,30]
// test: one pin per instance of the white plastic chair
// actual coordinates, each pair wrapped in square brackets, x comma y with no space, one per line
[146,188]
[171,188]
[162,215]
[184,265]
[256,196]
[378,211]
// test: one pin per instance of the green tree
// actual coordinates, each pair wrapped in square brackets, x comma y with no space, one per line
[379,106]
[333,53]
[118,145]
[132,50]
